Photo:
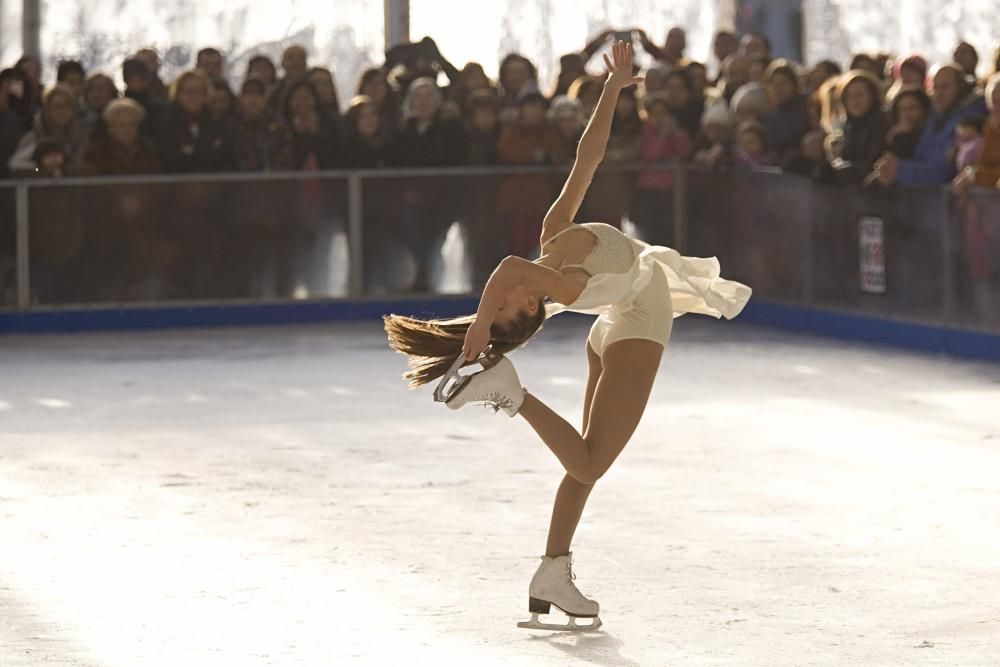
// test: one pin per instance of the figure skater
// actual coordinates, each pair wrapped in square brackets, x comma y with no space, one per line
[636,289]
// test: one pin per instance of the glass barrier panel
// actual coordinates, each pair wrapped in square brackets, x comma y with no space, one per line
[879,251]
[975,247]
[8,248]
[755,223]
[197,241]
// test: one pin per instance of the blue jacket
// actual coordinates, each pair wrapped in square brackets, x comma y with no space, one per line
[932,163]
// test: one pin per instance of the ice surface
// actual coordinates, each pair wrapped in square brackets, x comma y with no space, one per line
[276,496]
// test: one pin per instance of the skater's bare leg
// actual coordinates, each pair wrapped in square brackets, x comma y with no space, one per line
[619,399]
[572,495]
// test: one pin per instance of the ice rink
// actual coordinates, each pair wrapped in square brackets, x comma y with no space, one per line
[277,496]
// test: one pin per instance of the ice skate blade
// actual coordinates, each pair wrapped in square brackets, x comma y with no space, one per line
[571,626]
[452,382]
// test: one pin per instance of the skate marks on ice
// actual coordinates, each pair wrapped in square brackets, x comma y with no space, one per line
[601,647]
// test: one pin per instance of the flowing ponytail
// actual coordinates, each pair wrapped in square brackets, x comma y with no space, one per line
[433,345]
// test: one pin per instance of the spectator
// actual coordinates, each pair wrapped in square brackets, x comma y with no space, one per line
[122,149]
[523,199]
[821,72]
[70,72]
[724,44]
[294,63]
[138,86]
[158,93]
[57,122]
[967,57]
[98,91]
[374,85]
[188,139]
[663,140]
[953,100]
[656,78]
[672,52]
[425,205]
[407,62]
[751,146]
[221,102]
[16,99]
[11,122]
[261,67]
[516,74]
[31,70]
[758,65]
[909,113]
[365,143]
[863,61]
[909,73]
[482,129]
[568,116]
[573,65]
[472,79]
[587,91]
[685,107]
[736,73]
[986,170]
[210,61]
[259,139]
[968,142]
[786,123]
[322,80]
[755,45]
[864,127]
[750,103]
[49,159]
[713,142]
[315,138]
[810,160]
[699,82]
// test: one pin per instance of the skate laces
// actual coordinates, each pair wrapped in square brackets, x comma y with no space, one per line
[496,400]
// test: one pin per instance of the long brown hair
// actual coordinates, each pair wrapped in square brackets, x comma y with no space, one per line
[433,345]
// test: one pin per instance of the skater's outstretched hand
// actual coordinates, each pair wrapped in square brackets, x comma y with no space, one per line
[620,66]
[477,339]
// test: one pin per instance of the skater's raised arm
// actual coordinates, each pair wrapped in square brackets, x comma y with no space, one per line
[593,142]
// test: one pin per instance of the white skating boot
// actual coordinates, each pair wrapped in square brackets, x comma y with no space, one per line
[553,585]
[497,387]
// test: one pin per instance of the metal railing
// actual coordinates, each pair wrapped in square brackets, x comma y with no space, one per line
[790,239]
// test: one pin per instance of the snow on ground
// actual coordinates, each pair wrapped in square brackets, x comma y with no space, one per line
[276,496]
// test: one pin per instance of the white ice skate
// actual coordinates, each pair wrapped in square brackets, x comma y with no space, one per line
[497,387]
[553,585]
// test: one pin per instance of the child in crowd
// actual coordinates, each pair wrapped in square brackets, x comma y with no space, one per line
[751,146]
[663,140]
[968,142]
[482,129]
[50,159]
[716,130]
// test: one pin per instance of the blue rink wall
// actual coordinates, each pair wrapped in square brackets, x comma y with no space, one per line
[826,323]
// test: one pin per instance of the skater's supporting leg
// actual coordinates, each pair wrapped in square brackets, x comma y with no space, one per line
[572,495]
[629,369]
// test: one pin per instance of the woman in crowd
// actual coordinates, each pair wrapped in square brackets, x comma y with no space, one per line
[953,99]
[98,91]
[516,73]
[864,127]
[315,139]
[680,95]
[587,91]
[374,85]
[820,73]
[31,69]
[472,79]
[426,205]
[322,80]
[787,122]
[910,107]
[910,72]
[221,101]
[568,116]
[121,150]
[261,67]
[188,139]
[12,123]
[57,121]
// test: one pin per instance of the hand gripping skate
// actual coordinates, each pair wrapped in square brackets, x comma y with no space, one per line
[453,381]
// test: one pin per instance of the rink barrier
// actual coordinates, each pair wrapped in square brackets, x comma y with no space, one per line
[823,323]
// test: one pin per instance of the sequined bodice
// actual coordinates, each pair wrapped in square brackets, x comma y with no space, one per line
[612,252]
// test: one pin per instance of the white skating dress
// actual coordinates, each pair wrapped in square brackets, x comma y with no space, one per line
[637,289]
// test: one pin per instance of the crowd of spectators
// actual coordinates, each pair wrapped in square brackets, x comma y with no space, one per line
[878,120]
[894,120]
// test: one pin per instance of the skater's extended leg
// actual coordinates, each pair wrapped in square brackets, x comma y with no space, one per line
[572,495]
[619,399]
